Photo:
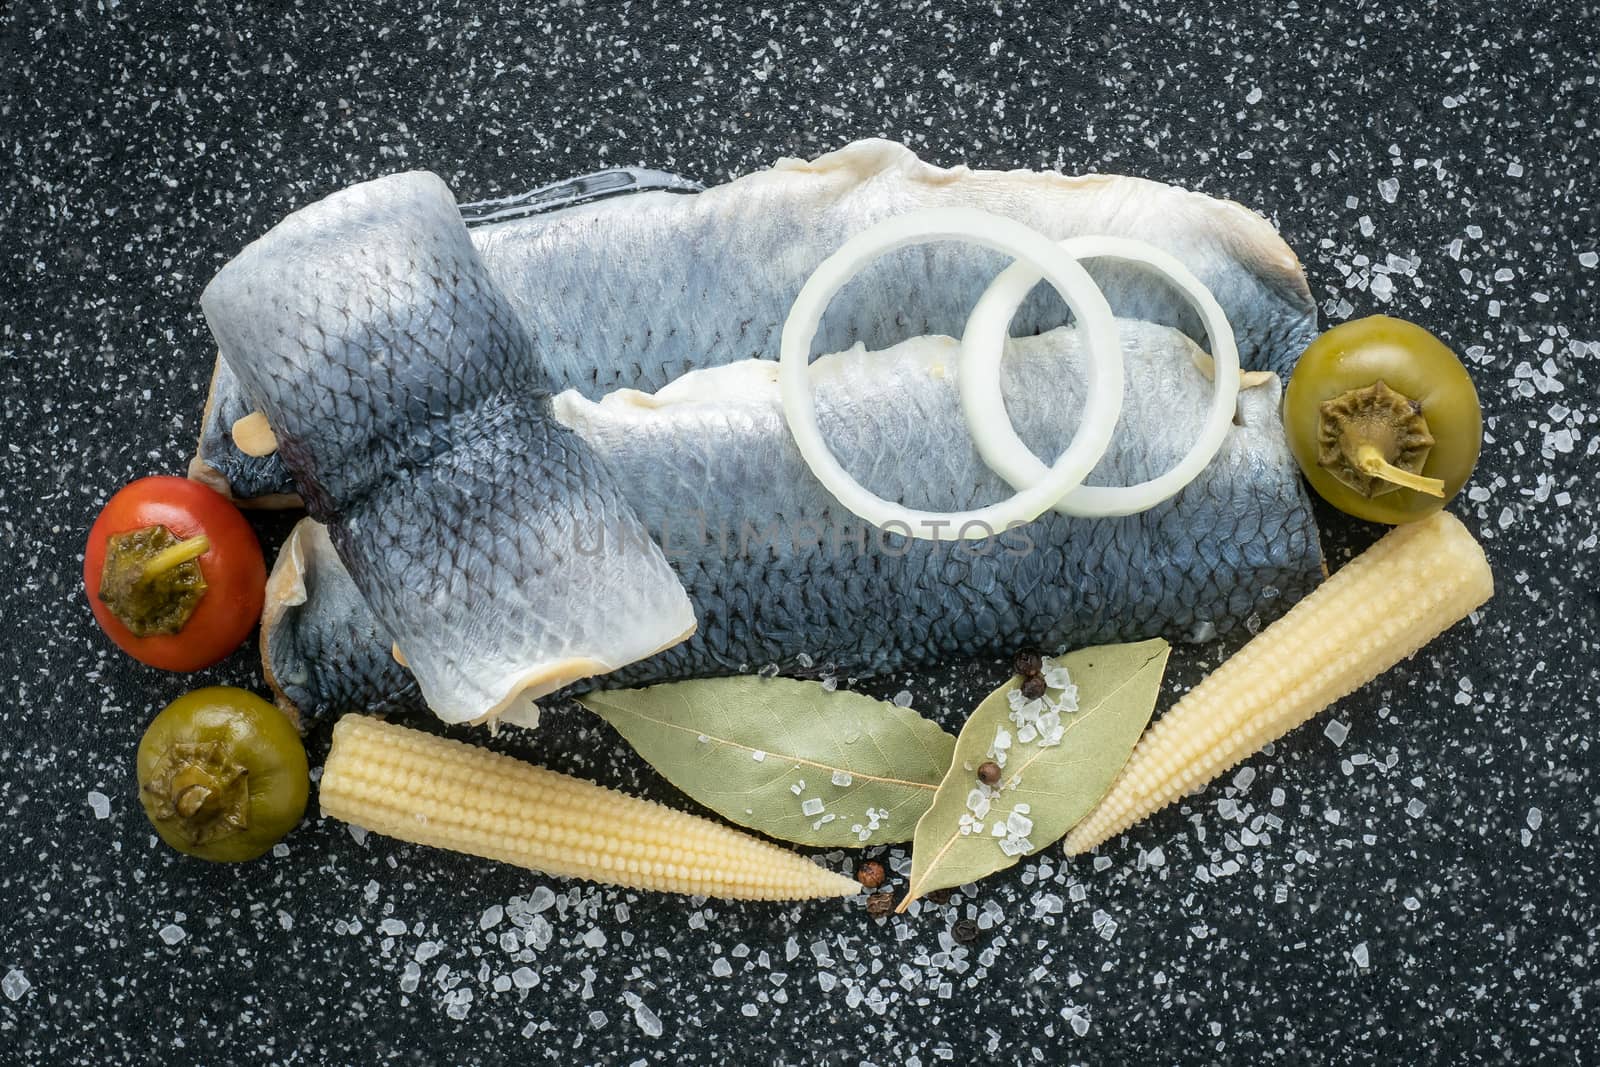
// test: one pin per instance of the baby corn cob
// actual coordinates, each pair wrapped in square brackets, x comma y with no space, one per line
[1375,611]
[433,791]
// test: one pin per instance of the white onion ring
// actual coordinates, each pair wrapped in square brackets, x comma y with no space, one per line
[1033,251]
[982,345]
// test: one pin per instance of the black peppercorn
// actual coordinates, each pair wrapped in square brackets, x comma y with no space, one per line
[965,931]
[870,874]
[937,896]
[1027,664]
[989,772]
[880,904]
[1033,686]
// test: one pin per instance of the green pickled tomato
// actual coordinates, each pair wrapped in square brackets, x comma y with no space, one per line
[1384,419]
[222,774]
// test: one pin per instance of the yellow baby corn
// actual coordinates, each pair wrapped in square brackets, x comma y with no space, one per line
[1375,611]
[433,791]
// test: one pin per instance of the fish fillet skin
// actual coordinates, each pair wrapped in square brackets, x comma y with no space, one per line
[713,448]
[637,290]
[410,410]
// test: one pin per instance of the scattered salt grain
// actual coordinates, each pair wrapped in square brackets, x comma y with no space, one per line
[1359,954]
[15,985]
[392,928]
[1389,189]
[172,933]
[491,917]
[758,755]
[902,699]
[812,807]
[842,778]
[1336,732]
[1415,808]
[721,967]
[798,787]
[978,802]
[595,938]
[100,804]
[524,978]
[1589,259]
[1535,818]
[643,1017]
[410,978]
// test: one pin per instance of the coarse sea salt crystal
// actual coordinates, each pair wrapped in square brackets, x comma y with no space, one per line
[647,1020]
[812,807]
[1336,732]
[524,978]
[978,802]
[842,778]
[1014,845]
[758,755]
[721,967]
[1389,189]
[15,984]
[172,933]
[392,927]
[595,938]
[1535,818]
[1360,955]
[491,917]
[100,804]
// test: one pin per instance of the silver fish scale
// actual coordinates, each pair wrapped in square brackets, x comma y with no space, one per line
[405,397]
[634,291]
[718,451]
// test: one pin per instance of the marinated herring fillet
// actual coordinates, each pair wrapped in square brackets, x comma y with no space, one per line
[780,575]
[638,289]
[409,407]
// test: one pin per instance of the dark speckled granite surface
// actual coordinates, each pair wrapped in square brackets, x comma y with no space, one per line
[1423,891]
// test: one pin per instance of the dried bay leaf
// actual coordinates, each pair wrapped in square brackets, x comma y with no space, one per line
[1058,784]
[742,745]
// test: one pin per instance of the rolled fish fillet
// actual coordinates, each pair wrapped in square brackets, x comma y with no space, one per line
[410,408]
[635,290]
[780,575]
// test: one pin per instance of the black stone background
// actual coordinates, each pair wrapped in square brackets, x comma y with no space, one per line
[144,143]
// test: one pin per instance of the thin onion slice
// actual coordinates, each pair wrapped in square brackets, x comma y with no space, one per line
[983,343]
[1033,251]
